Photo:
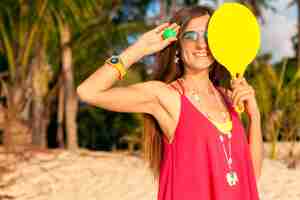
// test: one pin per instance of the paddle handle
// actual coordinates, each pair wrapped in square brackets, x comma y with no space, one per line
[240,107]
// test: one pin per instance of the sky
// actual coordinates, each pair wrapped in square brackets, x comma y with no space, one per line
[277,31]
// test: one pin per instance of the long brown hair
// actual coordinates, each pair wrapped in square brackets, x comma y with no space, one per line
[167,72]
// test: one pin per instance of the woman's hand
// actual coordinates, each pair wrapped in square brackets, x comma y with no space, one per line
[152,41]
[244,93]
[149,43]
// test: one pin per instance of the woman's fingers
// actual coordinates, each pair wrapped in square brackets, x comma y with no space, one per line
[242,91]
[244,98]
[168,41]
[244,82]
[173,26]
[240,96]
[177,29]
[236,91]
[153,40]
[161,27]
[236,82]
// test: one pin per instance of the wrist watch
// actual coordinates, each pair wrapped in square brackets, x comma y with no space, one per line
[116,62]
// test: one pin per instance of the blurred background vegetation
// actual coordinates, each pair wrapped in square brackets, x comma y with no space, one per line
[47,47]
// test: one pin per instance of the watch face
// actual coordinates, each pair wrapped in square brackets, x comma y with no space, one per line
[114,60]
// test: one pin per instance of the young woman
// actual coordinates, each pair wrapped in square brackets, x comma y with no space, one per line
[194,139]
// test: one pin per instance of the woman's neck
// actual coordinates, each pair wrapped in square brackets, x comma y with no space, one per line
[198,80]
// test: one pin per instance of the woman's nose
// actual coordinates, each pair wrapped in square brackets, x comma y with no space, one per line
[201,42]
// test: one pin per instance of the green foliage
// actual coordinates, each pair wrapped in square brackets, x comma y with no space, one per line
[25,26]
[92,43]
[278,95]
[101,129]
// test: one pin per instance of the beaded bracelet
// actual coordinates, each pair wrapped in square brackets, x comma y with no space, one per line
[119,69]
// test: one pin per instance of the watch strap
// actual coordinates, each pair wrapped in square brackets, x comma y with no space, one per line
[119,65]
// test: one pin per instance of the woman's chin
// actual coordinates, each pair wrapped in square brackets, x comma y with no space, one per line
[204,63]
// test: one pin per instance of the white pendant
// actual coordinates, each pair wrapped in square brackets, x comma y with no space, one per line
[232,178]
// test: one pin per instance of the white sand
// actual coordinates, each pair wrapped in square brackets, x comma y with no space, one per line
[86,175]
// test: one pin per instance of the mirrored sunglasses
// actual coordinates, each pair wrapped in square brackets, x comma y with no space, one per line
[194,35]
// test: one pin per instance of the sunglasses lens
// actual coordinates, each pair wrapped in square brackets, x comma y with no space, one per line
[190,35]
[205,35]
[193,35]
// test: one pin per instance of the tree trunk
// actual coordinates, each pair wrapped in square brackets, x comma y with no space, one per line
[173,7]
[40,120]
[16,130]
[162,9]
[39,137]
[71,102]
[16,133]
[60,114]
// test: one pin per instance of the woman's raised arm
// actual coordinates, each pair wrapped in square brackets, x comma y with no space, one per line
[98,88]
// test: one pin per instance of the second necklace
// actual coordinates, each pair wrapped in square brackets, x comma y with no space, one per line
[231,175]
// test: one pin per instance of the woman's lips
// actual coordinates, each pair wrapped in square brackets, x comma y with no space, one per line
[201,54]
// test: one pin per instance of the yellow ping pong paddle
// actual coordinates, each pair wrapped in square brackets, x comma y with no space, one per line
[233,37]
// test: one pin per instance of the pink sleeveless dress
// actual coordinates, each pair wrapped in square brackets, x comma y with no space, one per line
[194,165]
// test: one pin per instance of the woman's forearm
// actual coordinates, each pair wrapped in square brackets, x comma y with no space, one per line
[256,144]
[148,43]
[105,76]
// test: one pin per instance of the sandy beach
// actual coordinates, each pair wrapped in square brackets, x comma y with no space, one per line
[63,175]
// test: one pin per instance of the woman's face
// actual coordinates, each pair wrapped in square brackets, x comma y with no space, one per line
[194,48]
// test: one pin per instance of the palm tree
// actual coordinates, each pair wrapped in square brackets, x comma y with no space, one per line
[25,39]
[277,91]
[36,40]
[27,73]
